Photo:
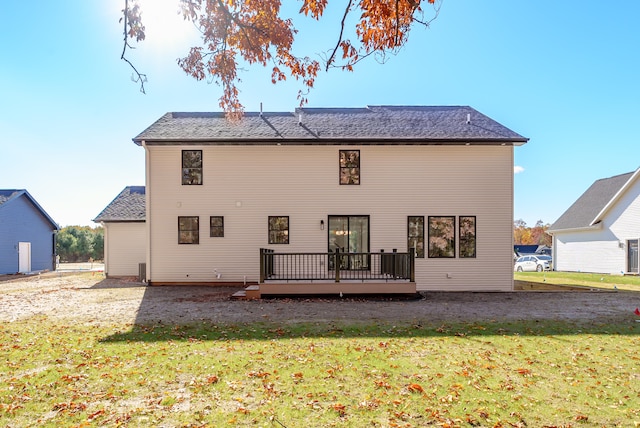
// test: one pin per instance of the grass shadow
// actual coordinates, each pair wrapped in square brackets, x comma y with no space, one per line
[209,313]
[265,331]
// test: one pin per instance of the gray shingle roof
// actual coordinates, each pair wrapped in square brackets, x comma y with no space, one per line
[376,124]
[129,205]
[586,208]
[7,195]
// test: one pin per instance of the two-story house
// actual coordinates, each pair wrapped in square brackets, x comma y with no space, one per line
[433,181]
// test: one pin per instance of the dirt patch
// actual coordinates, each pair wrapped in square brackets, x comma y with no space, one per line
[90,298]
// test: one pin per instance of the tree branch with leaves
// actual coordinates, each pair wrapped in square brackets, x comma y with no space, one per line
[254,31]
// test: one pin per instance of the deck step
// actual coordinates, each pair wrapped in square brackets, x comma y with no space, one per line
[239,295]
[251,292]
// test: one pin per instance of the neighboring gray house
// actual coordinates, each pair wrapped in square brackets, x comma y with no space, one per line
[27,234]
[124,232]
[324,180]
[599,233]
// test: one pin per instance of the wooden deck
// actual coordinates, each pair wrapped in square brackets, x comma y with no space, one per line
[319,288]
[332,273]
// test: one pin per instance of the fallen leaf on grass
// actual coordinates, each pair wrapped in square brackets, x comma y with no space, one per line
[414,387]
[94,415]
[71,406]
[340,408]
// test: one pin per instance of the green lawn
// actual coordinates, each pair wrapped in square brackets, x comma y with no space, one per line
[529,374]
[590,280]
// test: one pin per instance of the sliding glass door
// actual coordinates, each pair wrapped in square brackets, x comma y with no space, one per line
[350,234]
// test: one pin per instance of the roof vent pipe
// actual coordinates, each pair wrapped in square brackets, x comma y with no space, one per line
[260,109]
[300,118]
[468,118]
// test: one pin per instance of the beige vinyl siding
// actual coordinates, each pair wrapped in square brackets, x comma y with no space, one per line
[246,184]
[125,245]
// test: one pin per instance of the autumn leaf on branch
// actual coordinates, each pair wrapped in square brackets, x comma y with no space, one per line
[254,32]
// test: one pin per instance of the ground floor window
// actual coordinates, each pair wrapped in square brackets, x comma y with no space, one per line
[467,233]
[415,235]
[442,236]
[188,230]
[278,229]
[216,226]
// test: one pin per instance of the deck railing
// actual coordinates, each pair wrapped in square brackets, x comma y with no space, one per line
[337,266]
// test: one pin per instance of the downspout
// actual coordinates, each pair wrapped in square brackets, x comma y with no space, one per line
[554,254]
[513,201]
[147,208]
[106,249]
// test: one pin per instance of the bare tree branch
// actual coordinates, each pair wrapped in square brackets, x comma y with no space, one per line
[138,77]
[344,18]
[436,6]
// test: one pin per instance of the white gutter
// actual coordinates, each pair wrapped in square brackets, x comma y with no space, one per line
[592,227]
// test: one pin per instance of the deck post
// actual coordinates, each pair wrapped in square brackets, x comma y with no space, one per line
[336,263]
[395,263]
[412,264]
[262,265]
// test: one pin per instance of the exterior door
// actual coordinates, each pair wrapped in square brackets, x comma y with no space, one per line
[632,256]
[24,257]
[350,234]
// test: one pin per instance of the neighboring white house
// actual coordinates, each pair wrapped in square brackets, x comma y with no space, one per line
[359,180]
[125,233]
[599,233]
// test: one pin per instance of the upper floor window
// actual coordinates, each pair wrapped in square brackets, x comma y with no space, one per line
[192,167]
[442,236]
[467,233]
[278,229]
[349,166]
[415,235]
[216,226]
[188,230]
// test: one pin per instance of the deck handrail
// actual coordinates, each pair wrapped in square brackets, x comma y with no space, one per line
[337,266]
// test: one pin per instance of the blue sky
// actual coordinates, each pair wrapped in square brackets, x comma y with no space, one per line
[564,74]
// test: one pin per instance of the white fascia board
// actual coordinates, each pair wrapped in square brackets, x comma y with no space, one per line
[597,226]
[615,198]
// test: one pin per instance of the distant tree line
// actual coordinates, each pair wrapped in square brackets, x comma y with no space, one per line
[80,243]
[536,235]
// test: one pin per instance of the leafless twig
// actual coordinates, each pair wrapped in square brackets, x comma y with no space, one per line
[138,77]
[344,18]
